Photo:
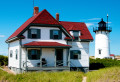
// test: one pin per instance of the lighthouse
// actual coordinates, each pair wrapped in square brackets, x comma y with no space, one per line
[102,40]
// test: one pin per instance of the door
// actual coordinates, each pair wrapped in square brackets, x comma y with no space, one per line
[59,57]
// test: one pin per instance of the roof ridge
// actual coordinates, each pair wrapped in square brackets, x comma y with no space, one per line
[71,21]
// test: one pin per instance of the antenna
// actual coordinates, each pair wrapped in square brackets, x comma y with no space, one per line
[107,20]
[33,7]
[33,3]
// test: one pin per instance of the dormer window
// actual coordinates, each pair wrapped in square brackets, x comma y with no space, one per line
[76,35]
[34,33]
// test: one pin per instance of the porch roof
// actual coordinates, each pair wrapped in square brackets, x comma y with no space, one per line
[46,44]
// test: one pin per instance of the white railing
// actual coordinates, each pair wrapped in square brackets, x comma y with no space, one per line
[47,64]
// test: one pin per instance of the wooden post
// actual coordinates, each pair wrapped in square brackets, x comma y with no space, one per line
[26,60]
[41,57]
[55,57]
[68,57]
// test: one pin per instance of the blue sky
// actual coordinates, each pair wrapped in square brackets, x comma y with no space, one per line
[13,13]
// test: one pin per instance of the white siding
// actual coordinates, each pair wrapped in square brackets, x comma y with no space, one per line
[84,48]
[49,53]
[45,35]
[102,43]
[12,60]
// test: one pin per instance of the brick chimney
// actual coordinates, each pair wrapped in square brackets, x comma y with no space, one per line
[36,10]
[57,16]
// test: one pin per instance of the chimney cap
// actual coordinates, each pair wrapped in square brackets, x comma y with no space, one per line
[57,16]
[36,7]
[36,10]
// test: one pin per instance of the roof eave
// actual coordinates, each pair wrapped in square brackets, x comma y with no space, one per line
[86,40]
[24,46]
[11,39]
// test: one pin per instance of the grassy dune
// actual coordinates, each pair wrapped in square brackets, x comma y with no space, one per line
[42,77]
[111,74]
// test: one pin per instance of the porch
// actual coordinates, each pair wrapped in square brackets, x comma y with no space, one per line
[44,58]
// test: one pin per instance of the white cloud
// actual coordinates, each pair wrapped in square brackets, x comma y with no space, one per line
[94,19]
[3,53]
[109,22]
[89,24]
[2,36]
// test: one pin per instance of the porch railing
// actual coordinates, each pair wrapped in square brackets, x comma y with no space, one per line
[59,63]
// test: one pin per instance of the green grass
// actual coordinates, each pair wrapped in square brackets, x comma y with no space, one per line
[42,77]
[110,74]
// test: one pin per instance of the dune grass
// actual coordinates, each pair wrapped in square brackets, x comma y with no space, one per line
[42,77]
[111,74]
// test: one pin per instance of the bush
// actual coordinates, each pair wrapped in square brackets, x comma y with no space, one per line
[102,63]
[3,60]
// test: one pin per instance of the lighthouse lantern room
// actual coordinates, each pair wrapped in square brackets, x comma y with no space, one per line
[102,42]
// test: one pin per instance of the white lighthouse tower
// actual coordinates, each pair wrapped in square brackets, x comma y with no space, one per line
[102,42]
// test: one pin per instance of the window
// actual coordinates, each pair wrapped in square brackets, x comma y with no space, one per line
[16,54]
[75,54]
[55,34]
[99,51]
[34,33]
[76,35]
[11,53]
[33,54]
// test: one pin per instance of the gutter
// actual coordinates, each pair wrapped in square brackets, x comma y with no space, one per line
[20,45]
[11,39]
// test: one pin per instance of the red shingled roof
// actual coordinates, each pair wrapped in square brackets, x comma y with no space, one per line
[48,44]
[44,17]
[85,34]
[112,55]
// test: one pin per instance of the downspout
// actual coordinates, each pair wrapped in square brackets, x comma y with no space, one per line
[20,44]
[8,53]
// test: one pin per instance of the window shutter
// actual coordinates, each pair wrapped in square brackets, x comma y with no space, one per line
[60,34]
[71,55]
[38,33]
[79,56]
[29,33]
[51,34]
[29,54]
[38,54]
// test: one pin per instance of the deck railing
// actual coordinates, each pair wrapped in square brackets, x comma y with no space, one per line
[47,64]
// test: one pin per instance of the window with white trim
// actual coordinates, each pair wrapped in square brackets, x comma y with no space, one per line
[11,53]
[55,34]
[75,54]
[33,54]
[99,51]
[76,35]
[34,33]
[16,54]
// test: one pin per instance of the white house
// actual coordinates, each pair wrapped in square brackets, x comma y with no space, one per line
[45,43]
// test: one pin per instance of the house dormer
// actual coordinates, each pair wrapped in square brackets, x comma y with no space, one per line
[75,33]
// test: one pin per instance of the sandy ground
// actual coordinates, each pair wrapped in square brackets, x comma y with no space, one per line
[5,68]
[84,79]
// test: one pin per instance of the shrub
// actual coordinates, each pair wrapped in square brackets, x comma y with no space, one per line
[102,63]
[3,60]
